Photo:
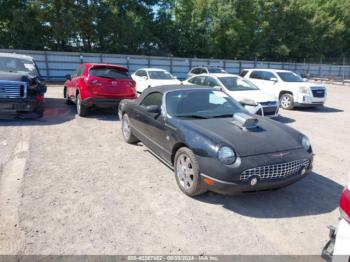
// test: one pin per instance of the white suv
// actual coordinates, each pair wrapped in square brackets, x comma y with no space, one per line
[289,87]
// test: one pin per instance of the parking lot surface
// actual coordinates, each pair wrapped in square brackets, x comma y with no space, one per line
[71,185]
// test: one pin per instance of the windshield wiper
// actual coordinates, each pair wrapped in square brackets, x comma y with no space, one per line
[225,115]
[193,116]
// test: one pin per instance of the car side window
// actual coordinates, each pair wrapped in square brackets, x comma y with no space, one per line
[79,71]
[257,75]
[210,81]
[152,99]
[200,80]
[141,73]
[268,75]
[196,71]
[193,80]
[243,73]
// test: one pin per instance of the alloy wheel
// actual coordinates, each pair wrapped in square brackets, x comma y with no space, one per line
[126,127]
[286,101]
[184,172]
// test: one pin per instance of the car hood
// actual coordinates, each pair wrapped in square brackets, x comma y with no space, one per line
[256,95]
[303,84]
[9,76]
[270,137]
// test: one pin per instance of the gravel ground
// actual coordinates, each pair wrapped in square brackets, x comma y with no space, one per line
[70,185]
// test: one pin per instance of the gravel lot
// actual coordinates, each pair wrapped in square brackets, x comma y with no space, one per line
[70,185]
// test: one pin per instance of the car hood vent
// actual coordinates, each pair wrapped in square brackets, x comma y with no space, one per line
[245,121]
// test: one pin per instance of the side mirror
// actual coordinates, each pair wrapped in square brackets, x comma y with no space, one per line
[274,79]
[153,109]
[218,88]
[144,77]
[68,77]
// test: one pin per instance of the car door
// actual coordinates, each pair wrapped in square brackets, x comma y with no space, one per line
[257,77]
[270,84]
[152,126]
[74,82]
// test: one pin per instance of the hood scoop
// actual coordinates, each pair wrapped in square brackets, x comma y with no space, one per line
[244,121]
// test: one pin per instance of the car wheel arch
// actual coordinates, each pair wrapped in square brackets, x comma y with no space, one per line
[176,147]
[285,92]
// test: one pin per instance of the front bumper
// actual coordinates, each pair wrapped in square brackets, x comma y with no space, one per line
[309,100]
[338,246]
[103,102]
[267,111]
[18,105]
[228,188]
[270,171]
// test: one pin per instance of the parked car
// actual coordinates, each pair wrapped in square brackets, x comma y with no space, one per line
[289,87]
[243,91]
[149,77]
[98,85]
[338,246]
[22,88]
[213,143]
[205,70]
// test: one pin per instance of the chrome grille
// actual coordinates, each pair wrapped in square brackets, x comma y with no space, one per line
[276,171]
[13,89]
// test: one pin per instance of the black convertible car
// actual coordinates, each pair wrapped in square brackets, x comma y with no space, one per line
[213,143]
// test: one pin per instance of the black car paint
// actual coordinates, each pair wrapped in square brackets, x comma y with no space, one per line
[164,135]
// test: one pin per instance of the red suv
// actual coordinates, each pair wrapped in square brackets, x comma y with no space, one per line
[98,85]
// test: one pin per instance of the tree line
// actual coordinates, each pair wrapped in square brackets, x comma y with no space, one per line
[232,29]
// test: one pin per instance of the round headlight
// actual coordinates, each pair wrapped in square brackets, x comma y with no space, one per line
[226,155]
[306,143]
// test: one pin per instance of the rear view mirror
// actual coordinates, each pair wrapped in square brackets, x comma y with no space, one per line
[153,109]
[68,77]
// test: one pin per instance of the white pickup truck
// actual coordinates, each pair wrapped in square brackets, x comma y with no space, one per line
[289,87]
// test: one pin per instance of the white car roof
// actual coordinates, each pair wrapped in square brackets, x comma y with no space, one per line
[152,69]
[218,75]
[18,56]
[268,69]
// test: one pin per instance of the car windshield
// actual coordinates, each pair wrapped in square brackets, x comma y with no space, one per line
[109,72]
[216,70]
[160,75]
[237,84]
[17,65]
[289,77]
[201,104]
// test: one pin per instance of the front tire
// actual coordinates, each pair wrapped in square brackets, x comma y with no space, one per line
[126,130]
[81,109]
[39,110]
[287,101]
[65,95]
[187,172]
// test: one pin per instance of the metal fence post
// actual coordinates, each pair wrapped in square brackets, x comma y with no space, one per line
[127,62]
[240,66]
[47,66]
[171,65]
[101,58]
[149,61]
[343,67]
[189,64]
